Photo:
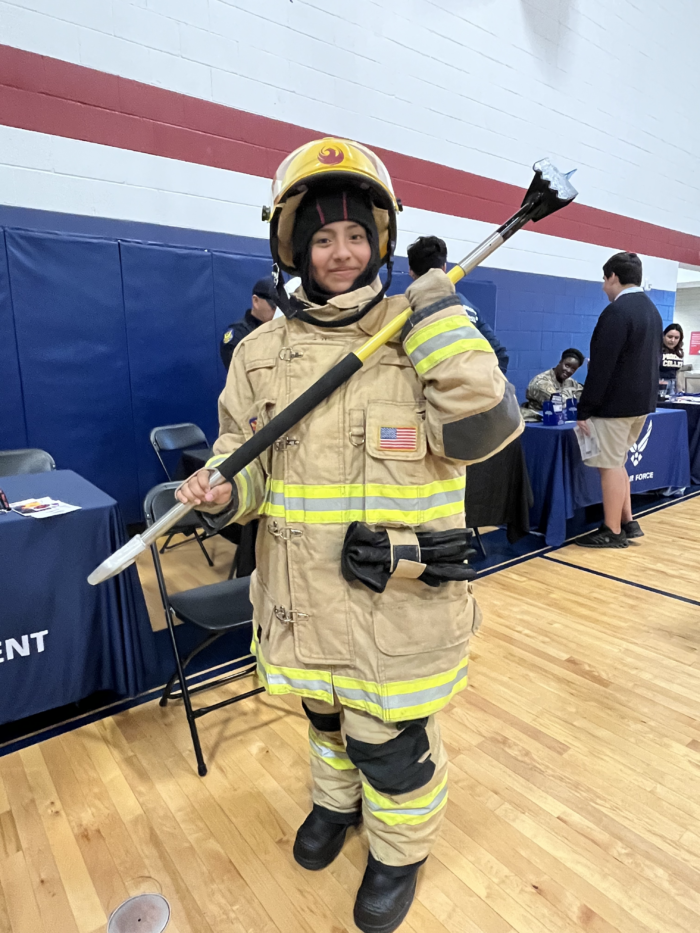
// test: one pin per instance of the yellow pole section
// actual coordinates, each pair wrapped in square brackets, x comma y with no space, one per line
[396,324]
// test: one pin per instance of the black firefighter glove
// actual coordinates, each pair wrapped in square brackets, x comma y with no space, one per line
[431,556]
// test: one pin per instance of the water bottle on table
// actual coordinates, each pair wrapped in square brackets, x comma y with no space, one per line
[558,406]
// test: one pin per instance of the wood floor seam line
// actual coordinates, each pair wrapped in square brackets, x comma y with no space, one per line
[609,576]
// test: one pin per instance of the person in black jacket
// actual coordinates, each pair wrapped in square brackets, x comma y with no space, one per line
[620,391]
[430,252]
[262,309]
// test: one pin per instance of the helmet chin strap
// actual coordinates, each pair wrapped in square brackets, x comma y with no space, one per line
[293,308]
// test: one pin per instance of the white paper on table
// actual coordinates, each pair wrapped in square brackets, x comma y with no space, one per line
[588,443]
[42,508]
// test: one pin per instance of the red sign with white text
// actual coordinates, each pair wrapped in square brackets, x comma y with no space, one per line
[694,349]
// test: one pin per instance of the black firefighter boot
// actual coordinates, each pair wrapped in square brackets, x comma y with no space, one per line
[321,836]
[385,895]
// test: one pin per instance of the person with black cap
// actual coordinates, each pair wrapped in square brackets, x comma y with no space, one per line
[262,309]
[362,601]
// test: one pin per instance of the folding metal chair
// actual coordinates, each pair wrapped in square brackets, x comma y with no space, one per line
[184,437]
[28,460]
[216,609]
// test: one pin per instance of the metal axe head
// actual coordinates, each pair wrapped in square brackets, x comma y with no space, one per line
[549,191]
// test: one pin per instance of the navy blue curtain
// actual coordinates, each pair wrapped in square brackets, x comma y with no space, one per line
[71,339]
[12,425]
[102,340]
[172,345]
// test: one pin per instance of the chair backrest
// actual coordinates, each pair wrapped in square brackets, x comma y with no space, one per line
[160,500]
[178,436]
[30,460]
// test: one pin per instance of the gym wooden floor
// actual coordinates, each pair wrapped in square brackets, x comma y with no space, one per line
[575,778]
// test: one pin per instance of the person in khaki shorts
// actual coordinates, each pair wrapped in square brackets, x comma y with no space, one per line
[620,391]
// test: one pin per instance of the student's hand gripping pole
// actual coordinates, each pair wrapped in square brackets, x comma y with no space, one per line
[550,190]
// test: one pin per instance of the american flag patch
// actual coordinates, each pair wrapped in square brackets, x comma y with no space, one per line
[253,422]
[398,438]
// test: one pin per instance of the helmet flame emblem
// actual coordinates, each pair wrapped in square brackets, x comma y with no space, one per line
[330,156]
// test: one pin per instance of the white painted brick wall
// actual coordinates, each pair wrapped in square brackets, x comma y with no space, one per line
[607,85]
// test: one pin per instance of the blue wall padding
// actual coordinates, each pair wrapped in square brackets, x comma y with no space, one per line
[232,290]
[69,316]
[13,431]
[172,340]
[105,334]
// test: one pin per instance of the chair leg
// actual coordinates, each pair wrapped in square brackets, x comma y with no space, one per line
[167,542]
[201,767]
[234,563]
[479,541]
[204,550]
[200,647]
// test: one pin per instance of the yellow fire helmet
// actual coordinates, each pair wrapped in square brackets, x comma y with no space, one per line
[320,162]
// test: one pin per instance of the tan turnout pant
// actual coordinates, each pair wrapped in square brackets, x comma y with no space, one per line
[396,773]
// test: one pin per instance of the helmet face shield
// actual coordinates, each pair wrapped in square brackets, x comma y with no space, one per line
[325,163]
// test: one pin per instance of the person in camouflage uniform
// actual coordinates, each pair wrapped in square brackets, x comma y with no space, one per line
[559,379]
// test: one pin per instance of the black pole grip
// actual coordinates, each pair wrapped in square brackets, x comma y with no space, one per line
[290,416]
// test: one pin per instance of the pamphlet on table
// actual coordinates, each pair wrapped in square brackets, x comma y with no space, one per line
[42,508]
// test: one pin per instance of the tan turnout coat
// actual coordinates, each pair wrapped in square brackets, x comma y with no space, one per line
[398,655]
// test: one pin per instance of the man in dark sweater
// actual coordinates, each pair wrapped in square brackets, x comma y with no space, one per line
[262,309]
[620,391]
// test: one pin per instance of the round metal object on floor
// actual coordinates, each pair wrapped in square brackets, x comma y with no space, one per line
[145,913]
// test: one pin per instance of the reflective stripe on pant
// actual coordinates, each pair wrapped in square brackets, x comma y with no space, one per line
[401,781]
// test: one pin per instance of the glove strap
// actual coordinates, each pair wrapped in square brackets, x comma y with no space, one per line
[405,553]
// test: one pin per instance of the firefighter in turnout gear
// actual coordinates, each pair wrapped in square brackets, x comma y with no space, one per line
[387,450]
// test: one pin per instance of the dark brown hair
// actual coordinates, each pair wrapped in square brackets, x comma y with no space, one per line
[627,267]
[678,350]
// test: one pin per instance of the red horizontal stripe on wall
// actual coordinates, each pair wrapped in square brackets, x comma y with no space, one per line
[55,97]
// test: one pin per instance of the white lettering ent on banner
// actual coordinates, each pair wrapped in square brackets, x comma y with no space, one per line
[22,647]
[643,476]
[12,645]
[39,637]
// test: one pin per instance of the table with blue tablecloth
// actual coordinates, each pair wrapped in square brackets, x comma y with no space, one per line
[691,406]
[561,483]
[62,640]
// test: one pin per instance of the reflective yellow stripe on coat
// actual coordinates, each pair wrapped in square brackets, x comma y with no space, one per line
[397,701]
[447,337]
[364,502]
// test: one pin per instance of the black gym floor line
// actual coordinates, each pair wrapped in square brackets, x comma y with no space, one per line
[609,576]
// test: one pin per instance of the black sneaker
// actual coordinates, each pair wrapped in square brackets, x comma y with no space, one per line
[602,537]
[385,896]
[633,529]
[321,836]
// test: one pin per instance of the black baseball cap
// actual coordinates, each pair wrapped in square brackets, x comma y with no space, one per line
[264,288]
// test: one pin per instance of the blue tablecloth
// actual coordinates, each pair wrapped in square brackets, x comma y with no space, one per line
[561,483]
[60,638]
[692,412]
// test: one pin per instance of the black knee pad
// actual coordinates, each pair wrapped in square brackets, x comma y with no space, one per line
[395,766]
[322,722]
